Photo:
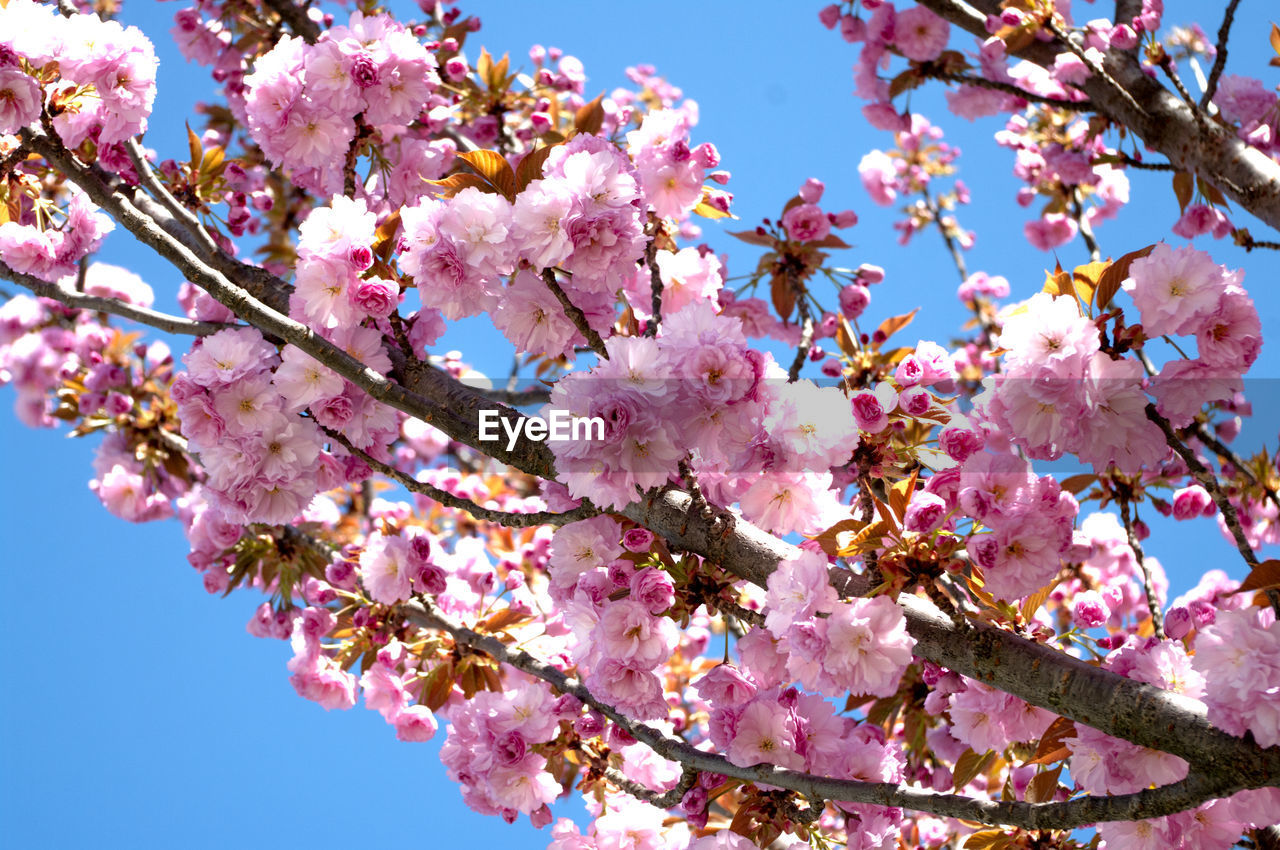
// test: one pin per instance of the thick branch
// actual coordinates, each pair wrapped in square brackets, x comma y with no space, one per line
[80,301]
[1159,117]
[1192,791]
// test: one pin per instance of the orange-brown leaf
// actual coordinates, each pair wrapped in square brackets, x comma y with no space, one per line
[1043,786]
[893,324]
[455,183]
[590,117]
[1116,274]
[1261,577]
[530,167]
[1183,186]
[837,536]
[1051,748]
[493,167]
[783,294]
[751,237]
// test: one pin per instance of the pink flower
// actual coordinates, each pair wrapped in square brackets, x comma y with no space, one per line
[871,408]
[765,733]
[1202,218]
[1176,289]
[797,590]
[879,177]
[920,34]
[1231,337]
[1193,501]
[628,633]
[783,502]
[127,495]
[806,223]
[1089,610]
[869,646]
[1050,231]
[385,565]
[524,786]
[925,512]
[653,589]
[376,296]
[20,100]
[414,723]
[1239,656]
[637,540]
[854,299]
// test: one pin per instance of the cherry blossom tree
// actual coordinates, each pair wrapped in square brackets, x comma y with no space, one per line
[783,577]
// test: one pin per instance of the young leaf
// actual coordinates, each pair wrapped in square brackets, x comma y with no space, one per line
[1261,577]
[1183,186]
[751,237]
[590,117]
[455,183]
[1086,280]
[893,324]
[530,167]
[838,536]
[1043,786]
[969,765]
[493,167]
[1116,274]
[783,294]
[1051,748]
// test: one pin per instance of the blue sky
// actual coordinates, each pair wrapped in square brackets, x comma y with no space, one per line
[140,712]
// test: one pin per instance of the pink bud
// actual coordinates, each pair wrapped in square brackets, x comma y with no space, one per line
[811,191]
[829,16]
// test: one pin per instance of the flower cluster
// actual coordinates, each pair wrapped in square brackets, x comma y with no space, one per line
[1182,291]
[30,246]
[106,73]
[306,103]
[239,405]
[1060,393]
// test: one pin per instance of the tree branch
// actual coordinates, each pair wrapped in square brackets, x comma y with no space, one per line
[1159,117]
[444,497]
[100,304]
[1220,60]
[1010,89]
[1190,792]
[575,314]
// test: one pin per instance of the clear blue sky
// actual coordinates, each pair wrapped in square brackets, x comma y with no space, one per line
[139,713]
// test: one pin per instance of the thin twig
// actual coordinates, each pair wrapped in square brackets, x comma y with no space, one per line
[952,246]
[1011,89]
[1086,231]
[1131,162]
[655,286]
[575,314]
[142,315]
[806,343]
[1209,481]
[1093,66]
[1166,65]
[444,497]
[1220,60]
[162,194]
[1148,587]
